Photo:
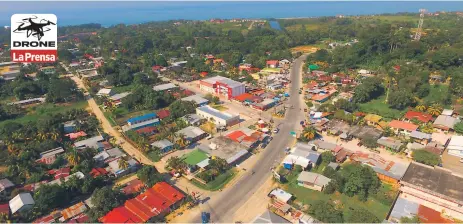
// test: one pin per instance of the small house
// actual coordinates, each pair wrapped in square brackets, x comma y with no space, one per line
[312,180]
[21,202]
[280,195]
[272,63]
[5,186]
[445,123]
[390,143]
[163,145]
[401,127]
[421,137]
[105,92]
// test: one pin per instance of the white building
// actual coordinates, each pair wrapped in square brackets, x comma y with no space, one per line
[455,146]
[222,86]
[217,117]
[21,202]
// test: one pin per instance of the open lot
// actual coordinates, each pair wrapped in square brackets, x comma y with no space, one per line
[378,106]
[46,110]
[378,204]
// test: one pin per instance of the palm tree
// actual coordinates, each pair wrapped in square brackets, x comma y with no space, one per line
[74,157]
[41,136]
[435,110]
[53,135]
[181,140]
[172,136]
[420,108]
[123,164]
[309,133]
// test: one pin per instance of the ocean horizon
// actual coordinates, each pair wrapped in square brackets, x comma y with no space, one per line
[113,13]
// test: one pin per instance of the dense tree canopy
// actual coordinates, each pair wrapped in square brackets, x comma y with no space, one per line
[425,157]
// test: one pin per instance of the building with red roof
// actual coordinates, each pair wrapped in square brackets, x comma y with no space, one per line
[96,172]
[120,215]
[272,63]
[60,173]
[423,117]
[76,135]
[133,187]
[155,201]
[168,192]
[402,127]
[243,97]
[148,131]
[163,114]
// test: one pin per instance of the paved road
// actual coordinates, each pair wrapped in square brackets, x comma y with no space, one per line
[223,207]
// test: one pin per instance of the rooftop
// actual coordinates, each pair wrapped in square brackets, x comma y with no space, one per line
[142,117]
[313,178]
[194,157]
[163,87]
[226,148]
[162,143]
[281,195]
[197,99]
[435,180]
[221,79]
[390,143]
[191,132]
[270,217]
[403,125]
[446,121]
[423,117]
[216,113]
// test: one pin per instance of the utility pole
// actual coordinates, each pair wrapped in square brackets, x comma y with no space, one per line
[420,25]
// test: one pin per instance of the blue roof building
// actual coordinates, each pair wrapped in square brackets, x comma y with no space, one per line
[142,118]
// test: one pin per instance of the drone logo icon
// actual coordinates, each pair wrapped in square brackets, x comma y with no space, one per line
[33,28]
[34,38]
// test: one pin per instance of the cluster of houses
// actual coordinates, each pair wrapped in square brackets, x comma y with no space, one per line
[9,70]
[233,146]
[107,163]
[150,206]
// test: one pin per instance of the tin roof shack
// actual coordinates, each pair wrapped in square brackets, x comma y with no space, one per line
[192,134]
[455,146]
[361,132]
[89,142]
[390,143]
[5,186]
[435,187]
[445,123]
[312,181]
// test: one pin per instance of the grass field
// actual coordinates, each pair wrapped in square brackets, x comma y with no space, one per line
[308,27]
[46,110]
[396,18]
[379,107]
[306,196]
[218,183]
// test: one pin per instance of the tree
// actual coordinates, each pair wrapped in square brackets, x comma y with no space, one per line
[458,127]
[104,200]
[329,172]
[360,215]
[176,163]
[325,212]
[369,142]
[371,88]
[149,175]
[425,157]
[327,157]
[434,110]
[308,134]
[122,163]
[401,99]
[74,157]
[360,180]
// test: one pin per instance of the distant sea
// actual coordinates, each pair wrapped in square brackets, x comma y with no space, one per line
[112,13]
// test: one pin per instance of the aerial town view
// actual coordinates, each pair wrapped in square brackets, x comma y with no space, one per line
[219,112]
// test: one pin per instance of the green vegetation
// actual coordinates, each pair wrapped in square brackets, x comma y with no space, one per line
[425,157]
[379,107]
[219,182]
[46,110]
